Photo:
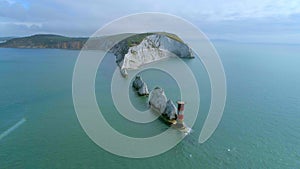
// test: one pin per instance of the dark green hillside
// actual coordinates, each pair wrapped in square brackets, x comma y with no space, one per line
[45,41]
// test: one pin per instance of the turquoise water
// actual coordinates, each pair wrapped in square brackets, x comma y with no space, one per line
[260,127]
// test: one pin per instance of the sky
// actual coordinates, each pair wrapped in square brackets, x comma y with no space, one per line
[275,21]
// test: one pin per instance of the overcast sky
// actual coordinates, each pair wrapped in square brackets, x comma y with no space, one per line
[251,20]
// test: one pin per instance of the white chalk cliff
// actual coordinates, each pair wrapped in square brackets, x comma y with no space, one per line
[152,48]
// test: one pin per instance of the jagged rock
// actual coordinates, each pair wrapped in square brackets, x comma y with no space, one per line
[137,83]
[143,91]
[158,99]
[140,86]
[165,43]
[170,110]
[124,73]
[119,50]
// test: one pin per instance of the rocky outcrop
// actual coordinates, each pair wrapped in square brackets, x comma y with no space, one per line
[158,99]
[152,47]
[170,110]
[140,86]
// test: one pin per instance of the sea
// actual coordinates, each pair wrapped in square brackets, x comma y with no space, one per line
[260,126]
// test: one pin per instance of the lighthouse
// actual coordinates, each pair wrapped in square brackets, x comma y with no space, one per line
[180,115]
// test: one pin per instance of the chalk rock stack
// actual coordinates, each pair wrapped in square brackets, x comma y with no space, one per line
[140,86]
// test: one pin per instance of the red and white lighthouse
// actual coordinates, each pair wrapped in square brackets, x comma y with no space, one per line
[180,115]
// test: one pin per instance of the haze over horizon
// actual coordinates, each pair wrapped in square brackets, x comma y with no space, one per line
[248,21]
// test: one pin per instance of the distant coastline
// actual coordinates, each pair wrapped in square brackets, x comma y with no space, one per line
[53,41]
[44,41]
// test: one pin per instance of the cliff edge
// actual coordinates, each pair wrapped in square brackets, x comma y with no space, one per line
[151,47]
